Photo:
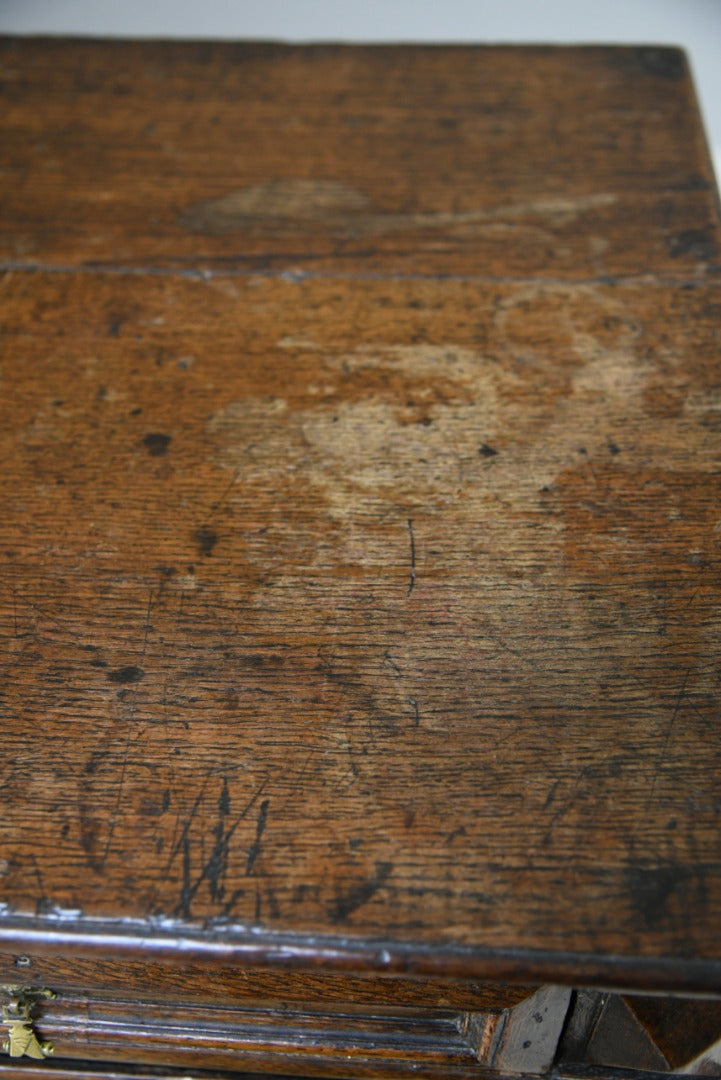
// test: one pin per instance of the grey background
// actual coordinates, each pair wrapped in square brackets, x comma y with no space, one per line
[693,24]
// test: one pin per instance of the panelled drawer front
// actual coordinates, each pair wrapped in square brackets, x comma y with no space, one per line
[347,1041]
[306,1023]
[335,1040]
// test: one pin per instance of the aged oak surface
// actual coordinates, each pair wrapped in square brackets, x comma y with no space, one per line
[535,162]
[360,428]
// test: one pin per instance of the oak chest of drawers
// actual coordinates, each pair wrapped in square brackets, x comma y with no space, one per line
[360,417]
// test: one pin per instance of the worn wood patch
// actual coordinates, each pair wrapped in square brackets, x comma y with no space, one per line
[375,609]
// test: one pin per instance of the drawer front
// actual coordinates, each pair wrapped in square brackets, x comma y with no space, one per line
[342,1041]
[333,1039]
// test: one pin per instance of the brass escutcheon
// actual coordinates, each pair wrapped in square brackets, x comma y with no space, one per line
[22,1040]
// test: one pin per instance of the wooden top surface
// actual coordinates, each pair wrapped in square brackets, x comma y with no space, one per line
[360,507]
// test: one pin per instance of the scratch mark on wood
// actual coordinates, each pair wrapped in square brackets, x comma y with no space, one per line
[147,620]
[459,831]
[232,901]
[215,866]
[346,903]
[297,783]
[255,847]
[551,794]
[186,892]
[499,642]
[667,738]
[175,847]
[42,895]
[226,492]
[118,797]
[565,806]
[45,615]
[391,662]
[272,902]
[15,607]
[416,710]
[412,579]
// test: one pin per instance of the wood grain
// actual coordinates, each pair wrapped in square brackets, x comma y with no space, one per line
[580,162]
[366,617]
[207,983]
[316,659]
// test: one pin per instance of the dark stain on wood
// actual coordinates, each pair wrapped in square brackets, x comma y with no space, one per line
[699,243]
[157,443]
[358,895]
[128,674]
[205,538]
[662,893]
[256,846]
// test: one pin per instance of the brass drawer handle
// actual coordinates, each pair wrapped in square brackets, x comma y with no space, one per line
[22,1040]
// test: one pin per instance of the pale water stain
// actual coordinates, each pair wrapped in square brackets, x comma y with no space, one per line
[338,208]
[293,200]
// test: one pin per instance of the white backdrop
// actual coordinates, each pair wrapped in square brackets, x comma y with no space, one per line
[693,24]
